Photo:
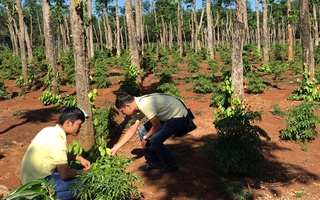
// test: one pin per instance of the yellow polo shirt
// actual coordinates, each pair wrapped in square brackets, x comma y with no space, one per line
[47,149]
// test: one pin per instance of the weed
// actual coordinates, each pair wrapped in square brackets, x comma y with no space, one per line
[277,111]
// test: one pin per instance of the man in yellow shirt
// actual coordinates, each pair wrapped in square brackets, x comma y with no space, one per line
[47,156]
[165,114]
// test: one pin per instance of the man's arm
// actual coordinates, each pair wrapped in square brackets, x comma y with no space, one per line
[67,173]
[127,136]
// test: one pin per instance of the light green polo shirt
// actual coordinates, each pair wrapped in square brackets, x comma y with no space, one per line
[47,149]
[163,106]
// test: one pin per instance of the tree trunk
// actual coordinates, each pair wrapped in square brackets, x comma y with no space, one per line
[315,27]
[13,34]
[118,29]
[100,35]
[237,46]
[86,135]
[138,9]
[209,30]
[109,32]
[28,43]
[179,36]
[258,27]
[305,34]
[289,28]
[265,35]
[90,46]
[50,42]
[21,37]
[135,61]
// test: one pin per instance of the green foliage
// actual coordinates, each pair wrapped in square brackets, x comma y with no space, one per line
[163,57]
[149,62]
[203,83]
[10,66]
[238,148]
[264,68]
[4,94]
[67,62]
[255,84]
[278,69]
[167,85]
[49,98]
[317,54]
[301,122]
[129,85]
[193,65]
[107,179]
[221,95]
[37,190]
[277,111]
[100,73]
[213,65]
[277,51]
[246,66]
[307,89]
[104,124]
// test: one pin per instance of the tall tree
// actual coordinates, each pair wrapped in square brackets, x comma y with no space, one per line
[209,29]
[13,34]
[315,3]
[21,37]
[89,30]
[290,34]
[237,46]
[135,59]
[86,136]
[258,26]
[179,36]
[118,29]
[50,42]
[265,32]
[305,35]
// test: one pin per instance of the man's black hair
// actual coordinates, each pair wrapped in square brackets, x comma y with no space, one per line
[71,113]
[123,99]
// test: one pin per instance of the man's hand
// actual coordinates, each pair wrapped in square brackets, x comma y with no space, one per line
[143,143]
[84,162]
[113,151]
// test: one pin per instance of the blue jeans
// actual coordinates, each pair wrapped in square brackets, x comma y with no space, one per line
[155,146]
[62,187]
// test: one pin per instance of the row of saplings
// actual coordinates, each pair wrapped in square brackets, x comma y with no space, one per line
[238,149]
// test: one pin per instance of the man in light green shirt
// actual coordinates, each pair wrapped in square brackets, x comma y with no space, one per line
[165,114]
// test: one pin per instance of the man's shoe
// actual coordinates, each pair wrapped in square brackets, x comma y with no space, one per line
[168,168]
[148,167]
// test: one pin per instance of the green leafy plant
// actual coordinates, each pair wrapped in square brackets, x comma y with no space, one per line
[238,148]
[255,84]
[4,94]
[213,65]
[307,89]
[37,190]
[301,122]
[277,111]
[129,84]
[107,179]
[203,83]
[221,95]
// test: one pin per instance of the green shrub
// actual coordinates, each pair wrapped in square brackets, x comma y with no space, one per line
[203,83]
[130,85]
[107,179]
[104,124]
[4,94]
[238,148]
[278,111]
[221,95]
[307,89]
[301,122]
[213,65]
[255,85]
